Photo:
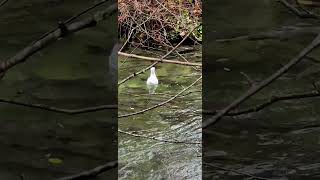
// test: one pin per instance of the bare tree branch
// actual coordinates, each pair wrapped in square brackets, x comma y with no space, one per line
[301,14]
[2,3]
[93,172]
[250,81]
[158,139]
[281,33]
[138,57]
[54,36]
[241,173]
[73,18]
[60,110]
[253,90]
[182,57]
[155,63]
[269,102]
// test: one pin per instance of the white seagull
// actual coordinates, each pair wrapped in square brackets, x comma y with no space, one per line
[152,82]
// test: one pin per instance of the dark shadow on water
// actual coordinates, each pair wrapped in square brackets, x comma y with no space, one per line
[282,140]
[71,73]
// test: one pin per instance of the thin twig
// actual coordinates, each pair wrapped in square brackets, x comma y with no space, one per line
[2,3]
[93,172]
[138,57]
[60,110]
[269,102]
[281,33]
[182,57]
[132,30]
[301,14]
[153,64]
[238,172]
[162,103]
[250,81]
[158,139]
[312,59]
[72,18]
[253,90]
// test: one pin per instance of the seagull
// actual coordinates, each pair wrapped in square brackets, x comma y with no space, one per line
[152,82]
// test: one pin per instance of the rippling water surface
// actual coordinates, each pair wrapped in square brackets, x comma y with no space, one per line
[163,143]
[282,140]
[71,73]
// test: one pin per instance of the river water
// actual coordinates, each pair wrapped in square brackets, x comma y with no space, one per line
[281,141]
[163,143]
[71,74]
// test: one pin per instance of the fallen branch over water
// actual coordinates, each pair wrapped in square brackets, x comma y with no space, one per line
[155,63]
[138,57]
[254,89]
[161,104]
[93,172]
[60,110]
[269,102]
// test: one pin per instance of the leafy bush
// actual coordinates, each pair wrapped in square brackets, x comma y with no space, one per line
[159,22]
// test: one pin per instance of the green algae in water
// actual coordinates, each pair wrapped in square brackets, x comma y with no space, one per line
[55,161]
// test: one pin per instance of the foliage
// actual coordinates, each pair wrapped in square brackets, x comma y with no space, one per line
[159,22]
